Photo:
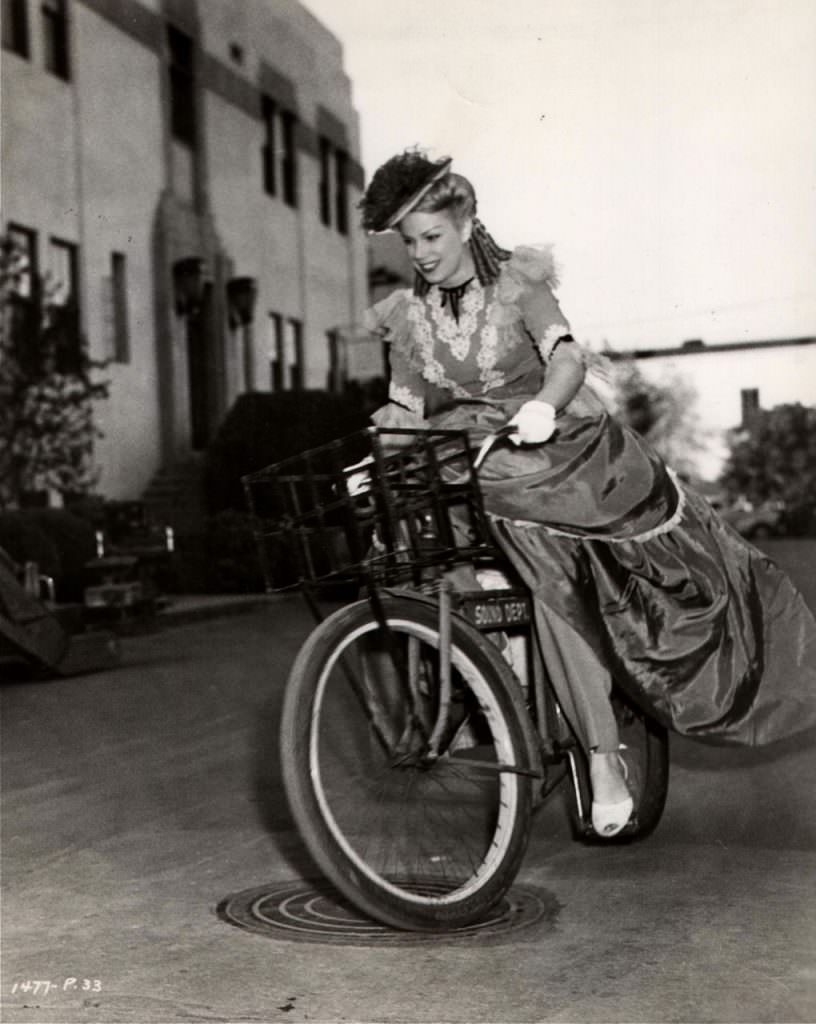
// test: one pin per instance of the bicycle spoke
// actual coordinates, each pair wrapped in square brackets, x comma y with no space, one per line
[415,835]
[407,812]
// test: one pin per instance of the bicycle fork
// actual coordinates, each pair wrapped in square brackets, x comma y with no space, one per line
[439,735]
[443,711]
[411,684]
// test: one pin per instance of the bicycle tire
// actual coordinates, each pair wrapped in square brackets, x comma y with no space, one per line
[645,750]
[417,845]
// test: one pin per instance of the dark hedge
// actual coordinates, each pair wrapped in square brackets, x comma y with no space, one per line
[262,428]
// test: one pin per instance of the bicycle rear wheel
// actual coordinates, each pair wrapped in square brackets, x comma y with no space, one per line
[419,816]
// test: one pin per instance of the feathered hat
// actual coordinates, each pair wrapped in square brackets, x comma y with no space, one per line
[398,186]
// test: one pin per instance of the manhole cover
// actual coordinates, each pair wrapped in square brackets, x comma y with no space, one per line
[314,912]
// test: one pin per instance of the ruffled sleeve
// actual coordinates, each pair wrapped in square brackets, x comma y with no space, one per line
[389,316]
[390,320]
[525,292]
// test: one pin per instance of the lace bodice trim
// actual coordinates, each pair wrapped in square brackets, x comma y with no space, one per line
[428,316]
[528,266]
[410,323]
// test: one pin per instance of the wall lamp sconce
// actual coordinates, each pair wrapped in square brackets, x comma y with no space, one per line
[242,294]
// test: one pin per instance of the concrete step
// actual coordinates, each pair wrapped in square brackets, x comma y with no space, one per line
[175,496]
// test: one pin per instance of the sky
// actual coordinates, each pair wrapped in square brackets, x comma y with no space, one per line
[665,148]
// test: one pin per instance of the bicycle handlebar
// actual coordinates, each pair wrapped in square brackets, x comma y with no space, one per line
[491,439]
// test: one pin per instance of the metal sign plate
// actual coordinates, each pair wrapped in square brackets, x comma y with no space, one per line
[498,612]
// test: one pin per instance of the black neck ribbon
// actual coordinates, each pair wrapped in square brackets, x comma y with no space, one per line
[453,296]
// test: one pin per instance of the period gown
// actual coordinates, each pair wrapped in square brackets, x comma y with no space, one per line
[699,626]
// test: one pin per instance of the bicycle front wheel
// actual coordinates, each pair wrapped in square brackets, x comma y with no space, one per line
[416,807]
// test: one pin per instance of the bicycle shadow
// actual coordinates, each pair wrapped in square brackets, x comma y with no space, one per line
[268,791]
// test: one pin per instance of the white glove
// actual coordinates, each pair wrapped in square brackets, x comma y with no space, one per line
[358,480]
[535,423]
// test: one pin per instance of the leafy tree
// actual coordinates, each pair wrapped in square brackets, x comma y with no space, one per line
[664,412]
[774,459]
[47,390]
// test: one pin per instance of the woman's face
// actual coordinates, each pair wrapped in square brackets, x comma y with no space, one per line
[438,247]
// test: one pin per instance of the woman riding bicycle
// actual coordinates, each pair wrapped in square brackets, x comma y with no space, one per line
[634,577]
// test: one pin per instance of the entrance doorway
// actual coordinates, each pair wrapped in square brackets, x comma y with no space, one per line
[201,371]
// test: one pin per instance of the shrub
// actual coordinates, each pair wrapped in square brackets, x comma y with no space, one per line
[773,458]
[58,541]
[232,554]
[220,559]
[75,541]
[24,541]
[47,387]
[262,428]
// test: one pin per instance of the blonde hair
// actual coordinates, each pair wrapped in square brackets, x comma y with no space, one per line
[454,194]
[410,182]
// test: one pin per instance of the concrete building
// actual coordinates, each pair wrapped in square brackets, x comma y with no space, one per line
[364,356]
[186,172]
[732,380]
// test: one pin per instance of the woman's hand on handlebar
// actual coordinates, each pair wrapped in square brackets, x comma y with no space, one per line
[530,427]
[534,423]
[358,478]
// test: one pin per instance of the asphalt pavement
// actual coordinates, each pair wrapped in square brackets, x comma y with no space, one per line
[139,803]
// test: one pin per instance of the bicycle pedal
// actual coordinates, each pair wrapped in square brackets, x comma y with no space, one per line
[629,830]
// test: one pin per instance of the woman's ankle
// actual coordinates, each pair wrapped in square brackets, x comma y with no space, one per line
[607,777]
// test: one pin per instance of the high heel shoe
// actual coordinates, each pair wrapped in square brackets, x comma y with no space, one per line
[610,819]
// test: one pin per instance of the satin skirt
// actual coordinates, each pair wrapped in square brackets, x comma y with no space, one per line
[697,625]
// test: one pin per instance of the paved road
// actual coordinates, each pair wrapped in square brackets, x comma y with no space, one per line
[135,801]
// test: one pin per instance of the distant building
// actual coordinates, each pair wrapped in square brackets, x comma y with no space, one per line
[187,172]
[389,266]
[363,356]
[733,380]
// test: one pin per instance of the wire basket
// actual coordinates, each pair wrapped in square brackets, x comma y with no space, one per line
[412,506]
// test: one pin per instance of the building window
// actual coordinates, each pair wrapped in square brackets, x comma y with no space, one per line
[279,152]
[62,272]
[293,354]
[119,302]
[181,69]
[182,86]
[324,187]
[333,187]
[289,158]
[15,27]
[23,324]
[24,245]
[276,352]
[337,368]
[285,353]
[55,37]
[269,150]
[341,192]
[63,340]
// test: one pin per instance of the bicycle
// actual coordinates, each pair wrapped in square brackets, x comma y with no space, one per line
[420,730]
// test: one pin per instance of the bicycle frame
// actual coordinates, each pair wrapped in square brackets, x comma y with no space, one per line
[418,524]
[417,529]
[507,611]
